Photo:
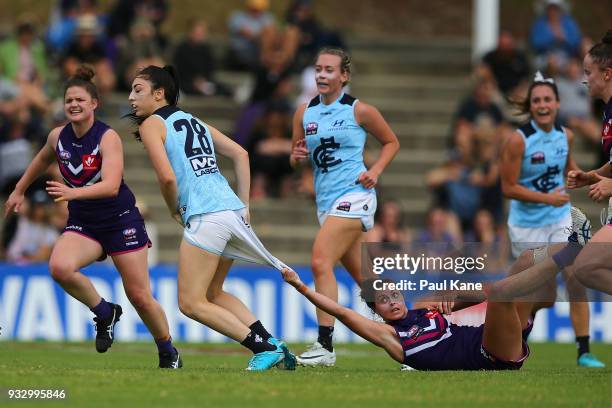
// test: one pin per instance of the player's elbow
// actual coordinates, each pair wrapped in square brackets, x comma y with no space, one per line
[508,190]
[167,180]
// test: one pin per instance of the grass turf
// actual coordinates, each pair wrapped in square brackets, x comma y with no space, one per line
[214,376]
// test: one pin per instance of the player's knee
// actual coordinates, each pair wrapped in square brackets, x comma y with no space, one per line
[524,261]
[213,293]
[188,305]
[586,272]
[140,299]
[61,270]
[320,266]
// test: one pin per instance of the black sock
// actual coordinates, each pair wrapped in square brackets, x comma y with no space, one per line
[582,344]
[165,346]
[256,343]
[258,328]
[325,337]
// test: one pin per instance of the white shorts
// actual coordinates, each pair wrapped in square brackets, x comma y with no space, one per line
[353,205]
[226,233]
[529,238]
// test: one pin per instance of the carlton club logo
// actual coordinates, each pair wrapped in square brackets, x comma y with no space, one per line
[323,154]
[546,182]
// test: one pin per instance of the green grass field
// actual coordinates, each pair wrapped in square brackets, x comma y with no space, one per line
[214,376]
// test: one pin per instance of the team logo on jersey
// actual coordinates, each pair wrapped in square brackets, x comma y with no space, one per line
[414,331]
[90,162]
[606,129]
[344,206]
[129,232]
[65,155]
[311,128]
[546,181]
[538,158]
[323,154]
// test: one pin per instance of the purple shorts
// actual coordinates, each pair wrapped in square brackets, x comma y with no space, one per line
[115,239]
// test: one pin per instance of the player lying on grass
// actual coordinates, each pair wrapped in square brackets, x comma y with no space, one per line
[422,337]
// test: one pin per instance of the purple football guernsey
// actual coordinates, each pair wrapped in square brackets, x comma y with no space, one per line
[80,163]
[431,343]
[114,222]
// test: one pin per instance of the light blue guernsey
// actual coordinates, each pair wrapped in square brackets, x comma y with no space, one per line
[542,170]
[335,144]
[201,186]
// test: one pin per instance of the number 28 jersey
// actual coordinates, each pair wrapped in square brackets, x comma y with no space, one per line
[335,143]
[202,188]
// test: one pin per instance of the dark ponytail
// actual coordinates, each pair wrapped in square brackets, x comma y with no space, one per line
[601,53]
[82,79]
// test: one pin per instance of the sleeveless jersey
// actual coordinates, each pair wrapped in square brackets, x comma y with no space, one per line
[80,163]
[542,170]
[189,145]
[335,143]
[431,343]
[606,131]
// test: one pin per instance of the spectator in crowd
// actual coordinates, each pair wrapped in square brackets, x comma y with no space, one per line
[576,110]
[195,61]
[478,117]
[141,50]
[22,61]
[555,37]
[86,48]
[126,12]
[459,185]
[270,148]
[312,35]
[34,237]
[506,65]
[441,227]
[272,85]
[245,29]
[388,226]
[63,22]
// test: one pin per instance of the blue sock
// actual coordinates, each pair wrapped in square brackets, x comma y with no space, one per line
[165,346]
[103,310]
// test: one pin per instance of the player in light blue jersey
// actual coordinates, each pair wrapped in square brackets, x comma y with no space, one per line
[182,150]
[535,161]
[330,134]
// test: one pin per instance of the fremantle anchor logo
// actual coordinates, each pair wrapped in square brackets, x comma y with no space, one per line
[322,155]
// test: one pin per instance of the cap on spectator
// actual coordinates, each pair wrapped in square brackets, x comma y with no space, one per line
[559,3]
[87,24]
[259,5]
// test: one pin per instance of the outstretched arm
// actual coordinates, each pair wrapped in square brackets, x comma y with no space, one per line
[379,334]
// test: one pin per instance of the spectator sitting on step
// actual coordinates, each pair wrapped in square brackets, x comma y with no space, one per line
[270,148]
[388,225]
[245,28]
[555,37]
[442,227]
[195,61]
[34,237]
[86,48]
[576,110]
[478,114]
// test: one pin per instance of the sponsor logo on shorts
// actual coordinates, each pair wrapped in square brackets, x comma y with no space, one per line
[486,354]
[128,232]
[365,207]
[344,206]
[182,210]
[126,212]
[74,227]
[312,128]
[131,243]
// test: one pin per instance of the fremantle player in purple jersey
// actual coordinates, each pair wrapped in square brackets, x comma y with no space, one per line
[103,219]
[593,263]
[422,337]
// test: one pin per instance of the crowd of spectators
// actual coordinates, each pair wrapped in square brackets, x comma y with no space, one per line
[269,52]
